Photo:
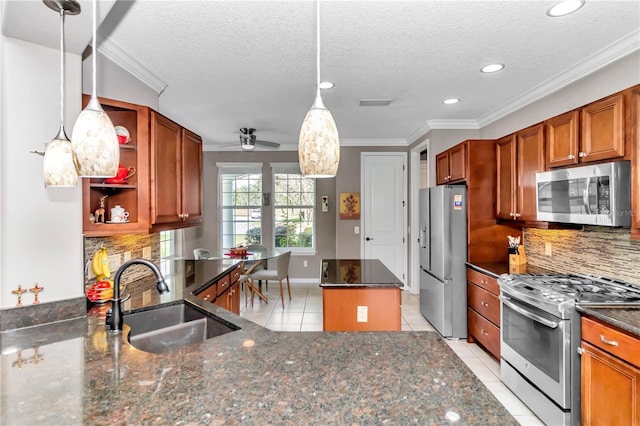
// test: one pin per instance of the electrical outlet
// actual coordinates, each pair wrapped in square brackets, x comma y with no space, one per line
[114,262]
[146,297]
[547,249]
[146,252]
[305,263]
[363,313]
[127,255]
[356,229]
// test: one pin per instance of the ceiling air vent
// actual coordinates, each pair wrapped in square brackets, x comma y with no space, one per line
[374,102]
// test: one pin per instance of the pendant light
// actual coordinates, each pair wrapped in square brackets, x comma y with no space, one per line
[318,144]
[96,151]
[58,167]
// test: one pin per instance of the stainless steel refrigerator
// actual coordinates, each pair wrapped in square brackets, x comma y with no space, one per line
[443,253]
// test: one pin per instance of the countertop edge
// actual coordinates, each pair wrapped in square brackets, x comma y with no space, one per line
[599,312]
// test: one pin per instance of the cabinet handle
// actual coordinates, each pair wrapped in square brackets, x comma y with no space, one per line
[483,303]
[483,281]
[517,215]
[511,214]
[607,341]
[186,215]
[571,156]
[582,154]
[483,331]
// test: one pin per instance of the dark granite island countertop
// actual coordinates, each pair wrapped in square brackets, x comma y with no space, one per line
[357,273]
[69,373]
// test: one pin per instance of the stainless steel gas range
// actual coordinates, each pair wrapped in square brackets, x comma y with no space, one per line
[540,337]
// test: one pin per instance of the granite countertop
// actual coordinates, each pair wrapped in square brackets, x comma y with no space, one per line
[625,317]
[495,269]
[73,372]
[350,273]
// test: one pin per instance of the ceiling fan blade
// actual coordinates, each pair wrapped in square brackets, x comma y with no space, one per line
[268,144]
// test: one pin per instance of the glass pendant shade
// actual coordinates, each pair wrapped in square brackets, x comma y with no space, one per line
[96,150]
[58,167]
[319,143]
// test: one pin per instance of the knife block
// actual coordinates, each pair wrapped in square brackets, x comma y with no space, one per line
[517,261]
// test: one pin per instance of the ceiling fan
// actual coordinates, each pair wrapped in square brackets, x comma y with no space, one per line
[248,140]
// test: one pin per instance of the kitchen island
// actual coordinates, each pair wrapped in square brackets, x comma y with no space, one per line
[359,295]
[70,373]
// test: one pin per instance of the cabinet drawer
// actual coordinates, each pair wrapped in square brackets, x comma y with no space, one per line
[209,294]
[484,303]
[485,281]
[613,341]
[223,283]
[487,334]
[235,274]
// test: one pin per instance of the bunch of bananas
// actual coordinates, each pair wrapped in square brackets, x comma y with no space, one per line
[102,290]
[100,264]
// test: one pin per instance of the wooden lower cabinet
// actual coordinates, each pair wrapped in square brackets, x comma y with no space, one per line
[483,313]
[610,391]
[230,299]
[225,292]
[340,309]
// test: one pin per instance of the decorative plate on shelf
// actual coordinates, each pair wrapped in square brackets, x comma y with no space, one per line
[123,134]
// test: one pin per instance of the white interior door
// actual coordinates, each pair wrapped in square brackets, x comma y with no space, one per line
[384,212]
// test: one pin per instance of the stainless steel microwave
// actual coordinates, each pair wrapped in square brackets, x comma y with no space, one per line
[598,194]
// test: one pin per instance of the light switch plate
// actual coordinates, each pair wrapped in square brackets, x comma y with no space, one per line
[363,313]
[356,229]
[146,252]
[547,249]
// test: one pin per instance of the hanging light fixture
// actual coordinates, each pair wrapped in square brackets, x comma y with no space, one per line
[96,151]
[318,144]
[58,167]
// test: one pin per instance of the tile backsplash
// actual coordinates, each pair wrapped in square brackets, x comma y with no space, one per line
[597,250]
[118,246]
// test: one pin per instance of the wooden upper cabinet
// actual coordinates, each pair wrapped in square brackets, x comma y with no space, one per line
[451,165]
[506,176]
[595,132]
[165,170]
[176,175]
[530,161]
[520,156]
[602,129]
[191,176]
[563,137]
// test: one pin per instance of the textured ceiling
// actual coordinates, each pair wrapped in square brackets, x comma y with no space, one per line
[232,64]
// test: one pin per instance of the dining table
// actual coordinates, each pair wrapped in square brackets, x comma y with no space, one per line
[251,261]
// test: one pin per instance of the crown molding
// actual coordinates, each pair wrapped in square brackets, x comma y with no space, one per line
[454,124]
[418,133]
[125,61]
[373,142]
[605,56]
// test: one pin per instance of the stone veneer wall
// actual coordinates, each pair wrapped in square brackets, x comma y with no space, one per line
[118,245]
[597,250]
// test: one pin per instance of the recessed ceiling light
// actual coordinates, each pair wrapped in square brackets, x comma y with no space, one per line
[327,85]
[492,68]
[451,101]
[565,7]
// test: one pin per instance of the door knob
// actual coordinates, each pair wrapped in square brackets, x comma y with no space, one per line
[368,239]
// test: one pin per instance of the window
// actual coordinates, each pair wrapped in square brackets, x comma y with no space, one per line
[241,203]
[294,207]
[167,251]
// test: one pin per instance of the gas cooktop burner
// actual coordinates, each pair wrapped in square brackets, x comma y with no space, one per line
[561,288]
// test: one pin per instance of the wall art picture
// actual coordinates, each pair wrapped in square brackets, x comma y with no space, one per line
[349,205]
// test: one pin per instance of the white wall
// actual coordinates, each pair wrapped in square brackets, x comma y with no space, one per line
[40,228]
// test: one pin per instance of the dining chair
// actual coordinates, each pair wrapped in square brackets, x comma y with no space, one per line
[281,272]
[201,254]
[263,265]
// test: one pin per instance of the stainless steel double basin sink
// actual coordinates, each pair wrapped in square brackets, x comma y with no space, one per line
[167,327]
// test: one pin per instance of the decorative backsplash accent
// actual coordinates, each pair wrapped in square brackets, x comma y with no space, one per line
[118,245]
[596,250]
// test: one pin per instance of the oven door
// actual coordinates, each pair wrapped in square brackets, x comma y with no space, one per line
[537,345]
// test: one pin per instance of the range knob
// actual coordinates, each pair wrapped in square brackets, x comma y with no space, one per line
[561,299]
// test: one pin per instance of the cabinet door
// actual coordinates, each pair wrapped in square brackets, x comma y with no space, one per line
[633,122]
[165,170]
[457,163]
[506,179]
[191,176]
[602,129]
[234,299]
[562,139]
[442,168]
[610,390]
[530,161]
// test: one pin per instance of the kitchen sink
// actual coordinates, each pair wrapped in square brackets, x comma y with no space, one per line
[168,327]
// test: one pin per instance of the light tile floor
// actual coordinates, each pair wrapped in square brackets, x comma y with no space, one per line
[304,313]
